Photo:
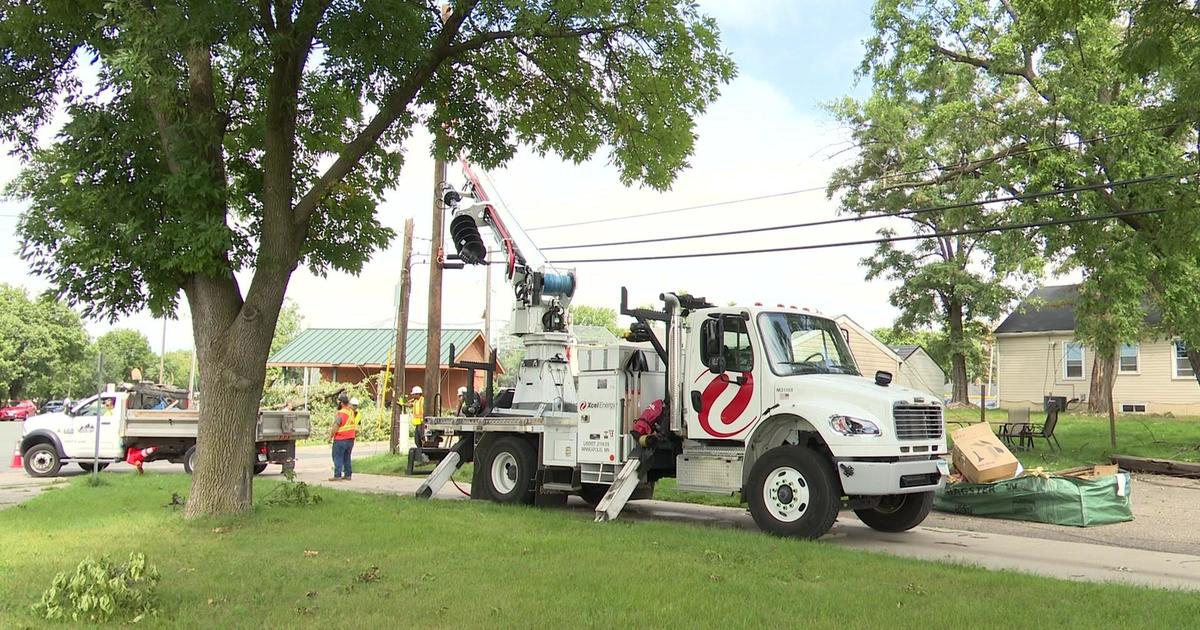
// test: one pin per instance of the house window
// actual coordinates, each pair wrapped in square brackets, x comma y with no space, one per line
[1183,369]
[1133,407]
[1128,361]
[1073,360]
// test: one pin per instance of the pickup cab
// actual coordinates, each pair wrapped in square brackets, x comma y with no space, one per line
[53,439]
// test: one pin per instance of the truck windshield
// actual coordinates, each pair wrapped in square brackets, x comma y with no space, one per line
[802,344]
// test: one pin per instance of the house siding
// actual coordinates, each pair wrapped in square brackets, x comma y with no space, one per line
[869,357]
[920,371]
[1030,367]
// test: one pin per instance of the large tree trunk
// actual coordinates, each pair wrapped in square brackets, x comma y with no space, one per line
[232,343]
[1104,376]
[958,359]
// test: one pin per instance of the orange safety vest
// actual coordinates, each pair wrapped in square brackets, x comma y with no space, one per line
[418,411]
[346,427]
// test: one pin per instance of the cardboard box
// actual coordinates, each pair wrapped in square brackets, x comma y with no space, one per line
[1088,472]
[980,456]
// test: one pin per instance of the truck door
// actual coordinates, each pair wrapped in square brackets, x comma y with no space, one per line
[81,441]
[722,396]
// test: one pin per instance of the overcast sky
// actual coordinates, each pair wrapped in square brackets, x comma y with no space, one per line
[768,133]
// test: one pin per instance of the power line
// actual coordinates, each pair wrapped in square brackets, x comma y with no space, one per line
[862,180]
[876,241]
[882,215]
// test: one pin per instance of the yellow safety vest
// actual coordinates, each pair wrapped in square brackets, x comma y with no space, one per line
[418,411]
[347,431]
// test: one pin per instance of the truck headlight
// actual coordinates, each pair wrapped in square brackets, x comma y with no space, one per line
[853,426]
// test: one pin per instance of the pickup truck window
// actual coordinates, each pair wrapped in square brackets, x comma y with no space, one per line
[802,344]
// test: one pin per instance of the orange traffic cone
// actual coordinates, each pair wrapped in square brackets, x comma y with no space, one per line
[16,460]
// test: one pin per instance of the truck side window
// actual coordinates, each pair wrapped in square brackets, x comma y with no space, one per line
[739,355]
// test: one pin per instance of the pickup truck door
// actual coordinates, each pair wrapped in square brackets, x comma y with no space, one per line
[725,405]
[81,441]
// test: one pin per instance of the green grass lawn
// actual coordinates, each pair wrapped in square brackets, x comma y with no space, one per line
[452,564]
[1085,438]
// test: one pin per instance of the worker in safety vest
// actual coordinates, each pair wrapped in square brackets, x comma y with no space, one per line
[416,401]
[345,426]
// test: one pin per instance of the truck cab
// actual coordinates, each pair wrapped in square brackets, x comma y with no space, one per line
[774,404]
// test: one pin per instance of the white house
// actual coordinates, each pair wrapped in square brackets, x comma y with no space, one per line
[911,366]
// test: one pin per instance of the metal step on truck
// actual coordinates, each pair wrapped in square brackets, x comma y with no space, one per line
[127,421]
[762,403]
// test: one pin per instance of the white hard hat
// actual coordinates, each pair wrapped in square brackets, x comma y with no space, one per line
[462,390]
[417,390]
[353,402]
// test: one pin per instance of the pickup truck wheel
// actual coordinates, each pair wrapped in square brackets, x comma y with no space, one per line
[791,492]
[259,468]
[41,460]
[508,470]
[898,512]
[87,466]
[189,460]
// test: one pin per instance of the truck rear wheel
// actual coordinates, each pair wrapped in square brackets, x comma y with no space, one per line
[898,512]
[87,466]
[508,467]
[791,492]
[41,460]
[189,460]
[259,468]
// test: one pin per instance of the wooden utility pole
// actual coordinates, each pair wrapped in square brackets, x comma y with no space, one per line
[400,433]
[433,352]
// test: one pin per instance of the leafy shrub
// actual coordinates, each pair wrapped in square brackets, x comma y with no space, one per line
[373,424]
[100,590]
[292,492]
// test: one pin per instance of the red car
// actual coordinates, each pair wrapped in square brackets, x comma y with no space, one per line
[18,411]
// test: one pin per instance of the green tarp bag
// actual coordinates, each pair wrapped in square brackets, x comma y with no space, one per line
[1055,500]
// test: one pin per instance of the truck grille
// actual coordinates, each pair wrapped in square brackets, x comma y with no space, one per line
[918,422]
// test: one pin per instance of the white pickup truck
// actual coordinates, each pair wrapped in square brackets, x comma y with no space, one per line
[53,439]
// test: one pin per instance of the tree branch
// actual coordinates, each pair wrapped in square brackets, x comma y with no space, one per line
[483,39]
[960,169]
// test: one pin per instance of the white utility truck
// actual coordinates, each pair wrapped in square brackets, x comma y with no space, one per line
[53,439]
[764,403]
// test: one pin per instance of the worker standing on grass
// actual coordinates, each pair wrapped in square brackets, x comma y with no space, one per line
[345,426]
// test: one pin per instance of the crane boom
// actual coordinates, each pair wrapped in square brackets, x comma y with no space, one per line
[542,294]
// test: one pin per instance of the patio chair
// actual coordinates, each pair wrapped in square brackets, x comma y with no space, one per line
[1026,432]
[1014,431]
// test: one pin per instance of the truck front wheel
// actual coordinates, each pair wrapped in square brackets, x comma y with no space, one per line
[508,470]
[791,492]
[41,460]
[898,512]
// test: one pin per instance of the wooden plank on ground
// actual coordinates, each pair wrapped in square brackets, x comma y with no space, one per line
[1157,466]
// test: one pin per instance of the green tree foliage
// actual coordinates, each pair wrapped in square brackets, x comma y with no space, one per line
[958,283]
[44,349]
[584,315]
[937,344]
[121,350]
[225,136]
[1072,94]
[289,325]
[177,368]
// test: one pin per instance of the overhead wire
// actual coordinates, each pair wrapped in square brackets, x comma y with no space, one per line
[882,215]
[875,241]
[863,180]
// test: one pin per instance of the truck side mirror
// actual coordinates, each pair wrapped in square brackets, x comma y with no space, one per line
[714,345]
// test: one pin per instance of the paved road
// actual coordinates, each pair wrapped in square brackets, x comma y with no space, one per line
[1045,550]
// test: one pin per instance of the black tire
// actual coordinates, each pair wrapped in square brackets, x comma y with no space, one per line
[805,497]
[41,460]
[189,460]
[592,493]
[898,512]
[259,468]
[508,467]
[409,466]
[87,466]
